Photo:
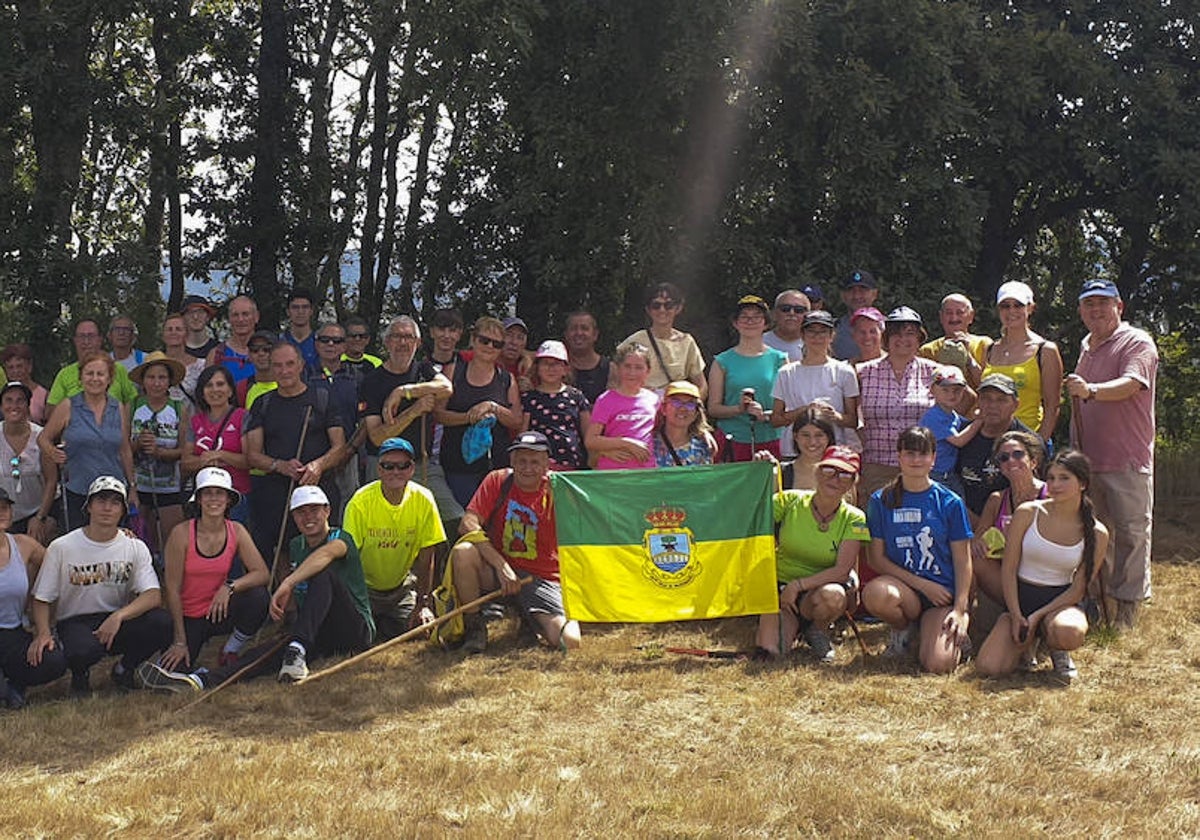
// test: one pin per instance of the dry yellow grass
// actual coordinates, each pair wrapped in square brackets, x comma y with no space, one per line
[617,742]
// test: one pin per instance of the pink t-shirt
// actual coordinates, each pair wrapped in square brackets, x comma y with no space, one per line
[1118,436]
[228,438]
[626,417]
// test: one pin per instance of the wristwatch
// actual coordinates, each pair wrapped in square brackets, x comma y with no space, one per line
[1092,391]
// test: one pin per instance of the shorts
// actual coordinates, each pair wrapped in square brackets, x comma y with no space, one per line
[1033,596]
[154,501]
[538,596]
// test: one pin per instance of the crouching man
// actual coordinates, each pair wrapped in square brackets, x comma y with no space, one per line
[105,595]
[508,532]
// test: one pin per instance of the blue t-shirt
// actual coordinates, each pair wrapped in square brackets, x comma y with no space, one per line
[918,532]
[943,424]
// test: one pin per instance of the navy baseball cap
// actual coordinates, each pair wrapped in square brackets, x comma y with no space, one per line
[1099,288]
[860,277]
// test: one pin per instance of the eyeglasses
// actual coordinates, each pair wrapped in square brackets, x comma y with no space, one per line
[1016,455]
[329,339]
[401,337]
[797,308]
[752,318]
[686,405]
[122,330]
[662,304]
[498,343]
[358,335]
[260,348]
[388,466]
[1011,304]
[834,472]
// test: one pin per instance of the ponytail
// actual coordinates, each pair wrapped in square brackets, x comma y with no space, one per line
[1087,518]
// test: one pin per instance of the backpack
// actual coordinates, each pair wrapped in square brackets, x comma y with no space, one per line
[445,597]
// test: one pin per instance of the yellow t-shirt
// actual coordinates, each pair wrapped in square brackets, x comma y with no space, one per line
[389,537]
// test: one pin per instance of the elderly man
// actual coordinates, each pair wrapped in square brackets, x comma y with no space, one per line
[508,530]
[589,368]
[514,357]
[859,291]
[997,413]
[1112,389]
[355,357]
[791,305]
[122,336]
[103,591]
[234,352]
[336,377]
[67,383]
[395,523]
[958,346]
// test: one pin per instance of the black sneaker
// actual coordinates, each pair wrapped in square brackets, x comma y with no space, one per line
[81,686]
[124,680]
[475,636]
[14,697]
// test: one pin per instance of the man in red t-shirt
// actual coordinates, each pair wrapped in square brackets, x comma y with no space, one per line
[508,532]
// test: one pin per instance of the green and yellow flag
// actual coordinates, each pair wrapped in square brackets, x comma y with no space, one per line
[666,544]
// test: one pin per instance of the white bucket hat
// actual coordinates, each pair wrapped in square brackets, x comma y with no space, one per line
[215,477]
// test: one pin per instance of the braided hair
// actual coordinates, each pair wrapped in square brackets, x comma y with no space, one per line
[1076,463]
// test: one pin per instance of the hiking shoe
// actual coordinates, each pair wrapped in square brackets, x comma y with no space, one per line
[14,697]
[157,678]
[1064,666]
[294,667]
[475,635]
[898,644]
[818,642]
[81,686]
[123,680]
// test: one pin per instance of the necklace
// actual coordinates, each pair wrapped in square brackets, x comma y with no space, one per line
[822,519]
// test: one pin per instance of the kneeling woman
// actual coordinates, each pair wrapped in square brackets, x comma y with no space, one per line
[819,537]
[1055,548]
[205,592]
[920,546]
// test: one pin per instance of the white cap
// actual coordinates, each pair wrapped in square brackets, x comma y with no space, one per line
[551,349]
[215,477]
[107,483]
[310,494]
[1015,290]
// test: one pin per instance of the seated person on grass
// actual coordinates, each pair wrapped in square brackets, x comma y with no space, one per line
[333,615]
[507,532]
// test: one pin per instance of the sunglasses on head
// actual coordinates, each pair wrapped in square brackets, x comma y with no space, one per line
[833,472]
[1016,455]
[498,343]
[663,304]
[388,466]
[329,339]
[797,308]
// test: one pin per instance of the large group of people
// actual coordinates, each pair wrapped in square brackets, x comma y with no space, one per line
[157,499]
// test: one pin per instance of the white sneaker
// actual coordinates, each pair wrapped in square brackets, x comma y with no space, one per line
[1064,666]
[294,667]
[899,643]
[819,644]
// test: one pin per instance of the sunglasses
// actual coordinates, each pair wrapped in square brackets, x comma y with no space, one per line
[498,343]
[797,308]
[686,405]
[260,348]
[328,339]
[388,466]
[15,463]
[358,335]
[1011,304]
[662,304]
[1016,455]
[834,472]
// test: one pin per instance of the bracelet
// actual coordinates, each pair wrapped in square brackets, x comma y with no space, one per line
[274,463]
[229,585]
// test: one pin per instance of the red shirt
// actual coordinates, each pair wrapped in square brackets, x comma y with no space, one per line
[523,529]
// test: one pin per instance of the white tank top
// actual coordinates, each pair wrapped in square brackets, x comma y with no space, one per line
[1045,563]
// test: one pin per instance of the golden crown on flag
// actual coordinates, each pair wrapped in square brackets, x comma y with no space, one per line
[666,517]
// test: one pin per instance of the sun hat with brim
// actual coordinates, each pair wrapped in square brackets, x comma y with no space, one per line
[396,444]
[1015,290]
[551,349]
[818,318]
[682,388]
[999,382]
[175,369]
[753,300]
[309,494]
[1099,288]
[197,300]
[108,484]
[904,315]
[215,477]
[17,386]
[948,375]
[843,458]
[870,313]
[533,441]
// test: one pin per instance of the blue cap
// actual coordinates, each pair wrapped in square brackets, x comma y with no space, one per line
[1099,288]
[396,444]
[813,292]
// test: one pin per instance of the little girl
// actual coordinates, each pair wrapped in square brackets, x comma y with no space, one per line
[621,433]
[559,411]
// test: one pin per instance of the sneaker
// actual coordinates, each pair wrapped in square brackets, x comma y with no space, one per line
[157,678]
[898,644]
[123,680]
[294,667]
[14,697]
[475,636]
[81,686]
[819,644]
[1064,666]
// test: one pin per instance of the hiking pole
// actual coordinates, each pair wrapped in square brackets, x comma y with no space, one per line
[411,634]
[238,674]
[62,492]
[857,635]
[288,499]
[748,397]
[1077,422]
[703,653]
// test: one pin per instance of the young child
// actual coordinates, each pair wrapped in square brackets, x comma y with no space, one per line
[556,409]
[950,428]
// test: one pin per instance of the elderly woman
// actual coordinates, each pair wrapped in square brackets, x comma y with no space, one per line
[742,378]
[17,361]
[682,436]
[1054,551]
[158,425]
[866,328]
[674,355]
[94,431]
[820,534]
[24,465]
[894,393]
[1020,457]
[1031,361]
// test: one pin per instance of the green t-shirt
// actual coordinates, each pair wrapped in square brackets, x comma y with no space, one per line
[804,549]
[348,568]
[67,384]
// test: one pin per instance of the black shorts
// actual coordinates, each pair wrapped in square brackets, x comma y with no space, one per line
[1032,596]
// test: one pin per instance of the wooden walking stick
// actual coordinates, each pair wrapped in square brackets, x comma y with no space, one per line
[411,634]
[288,501]
[238,674]
[857,635]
